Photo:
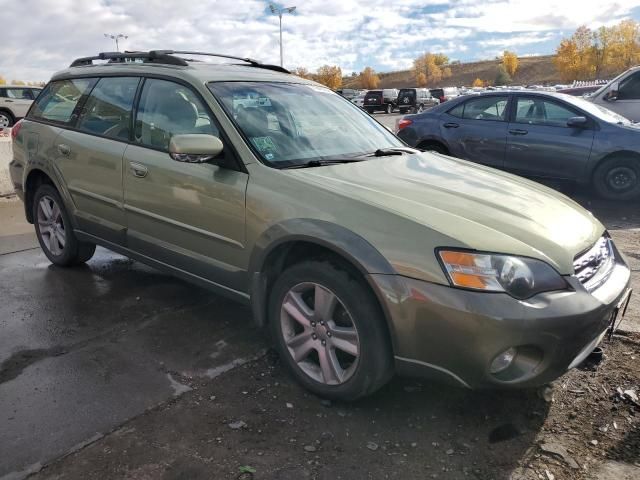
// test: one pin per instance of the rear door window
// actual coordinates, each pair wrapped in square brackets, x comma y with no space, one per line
[107,111]
[486,108]
[59,101]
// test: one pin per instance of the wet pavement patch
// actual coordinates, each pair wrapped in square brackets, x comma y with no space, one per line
[17,362]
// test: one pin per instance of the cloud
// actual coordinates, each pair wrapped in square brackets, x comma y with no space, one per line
[43,36]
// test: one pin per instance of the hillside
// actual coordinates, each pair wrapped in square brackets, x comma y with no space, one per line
[531,70]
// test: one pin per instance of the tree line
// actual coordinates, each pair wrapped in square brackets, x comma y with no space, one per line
[3,81]
[602,53]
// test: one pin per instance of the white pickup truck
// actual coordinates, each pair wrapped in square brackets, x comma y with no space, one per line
[622,94]
[15,100]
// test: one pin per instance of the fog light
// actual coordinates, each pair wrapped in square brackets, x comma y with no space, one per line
[502,361]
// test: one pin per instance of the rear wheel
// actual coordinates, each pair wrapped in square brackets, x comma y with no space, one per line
[6,119]
[618,178]
[329,331]
[389,108]
[434,147]
[54,231]
[369,110]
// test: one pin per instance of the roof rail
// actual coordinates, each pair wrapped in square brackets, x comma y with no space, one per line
[121,57]
[167,57]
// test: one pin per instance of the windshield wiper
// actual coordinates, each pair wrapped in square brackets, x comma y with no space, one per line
[385,152]
[322,163]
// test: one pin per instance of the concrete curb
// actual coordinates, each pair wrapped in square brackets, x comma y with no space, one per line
[6,187]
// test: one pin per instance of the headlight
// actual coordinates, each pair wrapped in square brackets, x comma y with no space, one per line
[518,276]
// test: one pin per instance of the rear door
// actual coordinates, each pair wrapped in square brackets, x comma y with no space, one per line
[187,215]
[540,144]
[90,157]
[476,129]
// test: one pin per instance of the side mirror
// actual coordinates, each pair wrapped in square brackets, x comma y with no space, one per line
[612,94]
[577,122]
[194,148]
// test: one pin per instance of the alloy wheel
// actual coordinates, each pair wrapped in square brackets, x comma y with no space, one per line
[51,225]
[5,121]
[319,333]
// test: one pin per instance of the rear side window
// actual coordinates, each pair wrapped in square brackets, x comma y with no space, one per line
[457,111]
[486,108]
[107,111]
[167,109]
[18,93]
[630,88]
[59,100]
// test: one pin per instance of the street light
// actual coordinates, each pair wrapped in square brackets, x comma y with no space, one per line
[279,12]
[116,37]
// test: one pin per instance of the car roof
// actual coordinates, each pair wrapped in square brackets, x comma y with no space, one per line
[198,72]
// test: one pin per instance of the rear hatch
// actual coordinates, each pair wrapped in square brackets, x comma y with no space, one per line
[406,97]
[373,98]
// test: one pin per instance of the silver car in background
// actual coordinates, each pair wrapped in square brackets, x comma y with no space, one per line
[15,101]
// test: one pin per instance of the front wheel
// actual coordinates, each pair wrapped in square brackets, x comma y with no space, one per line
[329,331]
[54,231]
[618,178]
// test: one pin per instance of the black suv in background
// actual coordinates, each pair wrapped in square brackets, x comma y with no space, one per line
[381,100]
[415,100]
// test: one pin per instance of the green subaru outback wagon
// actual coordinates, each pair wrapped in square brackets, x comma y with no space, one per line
[361,256]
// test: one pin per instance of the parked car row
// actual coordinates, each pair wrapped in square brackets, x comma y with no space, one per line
[361,256]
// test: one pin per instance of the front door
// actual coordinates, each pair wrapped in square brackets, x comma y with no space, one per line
[188,216]
[476,130]
[540,144]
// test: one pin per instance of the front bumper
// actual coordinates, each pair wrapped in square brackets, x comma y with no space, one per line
[454,335]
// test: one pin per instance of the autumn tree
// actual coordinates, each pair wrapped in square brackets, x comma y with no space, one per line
[478,83]
[625,44]
[2,80]
[17,82]
[510,62]
[431,68]
[330,76]
[368,79]
[303,72]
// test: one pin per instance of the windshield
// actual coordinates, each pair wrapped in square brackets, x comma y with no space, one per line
[597,111]
[290,124]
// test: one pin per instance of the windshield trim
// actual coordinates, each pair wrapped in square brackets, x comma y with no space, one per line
[285,164]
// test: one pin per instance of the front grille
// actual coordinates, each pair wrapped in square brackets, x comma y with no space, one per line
[593,266]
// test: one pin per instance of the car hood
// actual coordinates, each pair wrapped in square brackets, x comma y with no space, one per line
[481,208]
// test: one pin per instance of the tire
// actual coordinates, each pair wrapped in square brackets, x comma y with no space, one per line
[618,178]
[6,119]
[389,108]
[369,111]
[54,231]
[356,315]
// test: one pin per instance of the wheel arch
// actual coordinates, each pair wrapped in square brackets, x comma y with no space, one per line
[292,241]
[609,156]
[427,142]
[33,180]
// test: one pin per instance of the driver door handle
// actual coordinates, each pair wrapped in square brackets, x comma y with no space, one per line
[451,125]
[518,131]
[138,170]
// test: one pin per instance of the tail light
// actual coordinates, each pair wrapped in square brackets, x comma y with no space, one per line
[402,123]
[15,129]
[443,99]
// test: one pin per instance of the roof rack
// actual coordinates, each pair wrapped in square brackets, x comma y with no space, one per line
[166,57]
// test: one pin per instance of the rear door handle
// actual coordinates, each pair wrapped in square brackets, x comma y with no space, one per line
[451,125]
[518,131]
[64,149]
[9,101]
[138,170]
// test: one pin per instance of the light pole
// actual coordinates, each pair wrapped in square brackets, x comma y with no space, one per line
[116,37]
[279,12]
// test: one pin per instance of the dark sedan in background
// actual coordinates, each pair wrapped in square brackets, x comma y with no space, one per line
[535,134]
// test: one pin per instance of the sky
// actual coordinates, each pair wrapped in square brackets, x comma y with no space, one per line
[40,37]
